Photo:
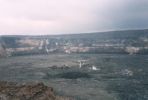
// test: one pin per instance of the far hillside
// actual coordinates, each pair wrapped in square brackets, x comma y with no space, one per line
[114,42]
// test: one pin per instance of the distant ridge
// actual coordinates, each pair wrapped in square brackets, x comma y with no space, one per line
[82,33]
[122,42]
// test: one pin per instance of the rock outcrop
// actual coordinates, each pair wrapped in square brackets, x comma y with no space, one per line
[28,91]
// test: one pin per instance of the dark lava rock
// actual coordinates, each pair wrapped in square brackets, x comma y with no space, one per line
[73,75]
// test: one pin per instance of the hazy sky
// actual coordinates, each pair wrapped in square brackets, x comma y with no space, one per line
[71,16]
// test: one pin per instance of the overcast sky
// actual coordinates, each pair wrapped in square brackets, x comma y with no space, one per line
[71,16]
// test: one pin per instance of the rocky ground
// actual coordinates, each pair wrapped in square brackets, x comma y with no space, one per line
[27,91]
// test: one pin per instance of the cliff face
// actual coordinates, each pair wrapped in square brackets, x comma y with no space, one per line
[131,42]
[3,52]
[16,45]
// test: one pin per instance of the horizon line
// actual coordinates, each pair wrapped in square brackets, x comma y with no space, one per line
[58,34]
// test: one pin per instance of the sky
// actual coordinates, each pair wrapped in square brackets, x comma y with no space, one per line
[39,17]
